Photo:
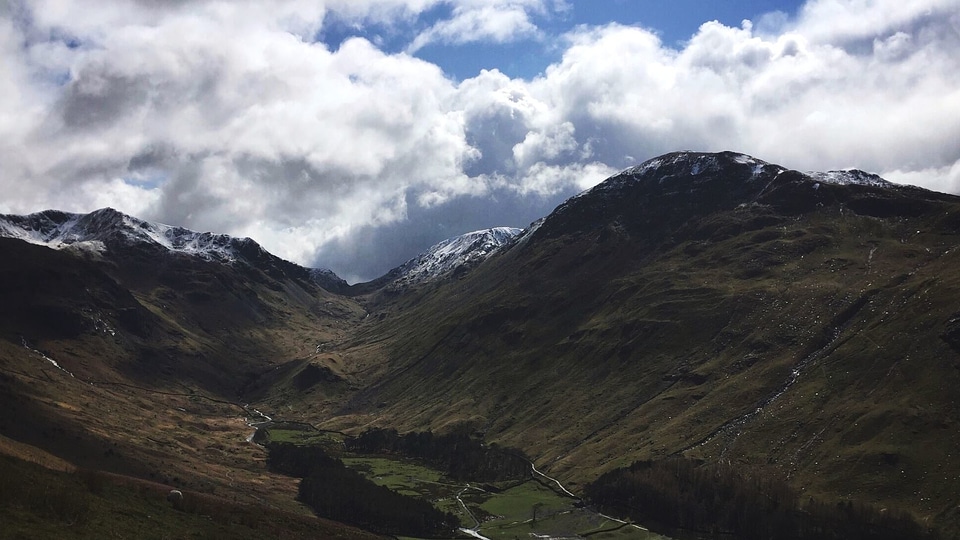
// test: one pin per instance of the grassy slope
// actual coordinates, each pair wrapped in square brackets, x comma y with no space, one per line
[41,503]
[590,351]
[159,355]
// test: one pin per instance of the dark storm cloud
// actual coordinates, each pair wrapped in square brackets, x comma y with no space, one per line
[154,156]
[186,201]
[95,99]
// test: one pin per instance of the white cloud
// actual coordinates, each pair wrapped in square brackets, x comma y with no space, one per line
[809,104]
[943,179]
[556,142]
[544,180]
[844,21]
[496,22]
[224,116]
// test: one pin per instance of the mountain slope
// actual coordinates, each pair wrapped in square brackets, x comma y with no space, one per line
[136,357]
[711,305]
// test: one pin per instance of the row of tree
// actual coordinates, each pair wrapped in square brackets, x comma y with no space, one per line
[459,455]
[720,499]
[336,492]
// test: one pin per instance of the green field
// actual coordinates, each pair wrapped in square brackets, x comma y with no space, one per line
[410,478]
[331,442]
[533,509]
[505,515]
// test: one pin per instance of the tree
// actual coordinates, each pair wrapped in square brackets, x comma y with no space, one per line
[536,508]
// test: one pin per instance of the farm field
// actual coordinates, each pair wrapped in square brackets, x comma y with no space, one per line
[520,510]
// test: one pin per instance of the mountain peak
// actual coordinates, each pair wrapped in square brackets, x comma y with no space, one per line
[452,254]
[850,177]
[665,191]
[659,195]
[689,173]
[108,230]
[692,163]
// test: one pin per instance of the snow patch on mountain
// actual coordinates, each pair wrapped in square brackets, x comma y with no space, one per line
[101,228]
[325,276]
[663,169]
[526,234]
[107,229]
[454,253]
[689,164]
[850,177]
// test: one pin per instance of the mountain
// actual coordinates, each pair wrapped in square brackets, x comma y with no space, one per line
[130,347]
[453,256]
[109,230]
[94,231]
[710,306]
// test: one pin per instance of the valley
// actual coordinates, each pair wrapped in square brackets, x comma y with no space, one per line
[707,310]
[531,504]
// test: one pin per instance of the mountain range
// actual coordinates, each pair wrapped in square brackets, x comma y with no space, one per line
[706,305]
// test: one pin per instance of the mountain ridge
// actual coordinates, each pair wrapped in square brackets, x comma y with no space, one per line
[92,232]
[106,228]
[674,186]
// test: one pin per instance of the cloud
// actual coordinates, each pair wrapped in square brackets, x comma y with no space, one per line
[807,103]
[842,22]
[496,23]
[944,179]
[228,117]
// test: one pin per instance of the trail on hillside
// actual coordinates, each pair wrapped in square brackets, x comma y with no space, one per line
[567,492]
[475,530]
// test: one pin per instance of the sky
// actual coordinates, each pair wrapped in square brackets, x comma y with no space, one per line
[354,134]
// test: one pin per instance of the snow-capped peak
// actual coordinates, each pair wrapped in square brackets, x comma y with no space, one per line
[848,177]
[686,164]
[107,230]
[694,163]
[453,253]
[100,228]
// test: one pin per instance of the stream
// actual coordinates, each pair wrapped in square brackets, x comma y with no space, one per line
[45,357]
[255,424]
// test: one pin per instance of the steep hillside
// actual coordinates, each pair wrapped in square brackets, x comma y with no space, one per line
[710,305]
[124,354]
